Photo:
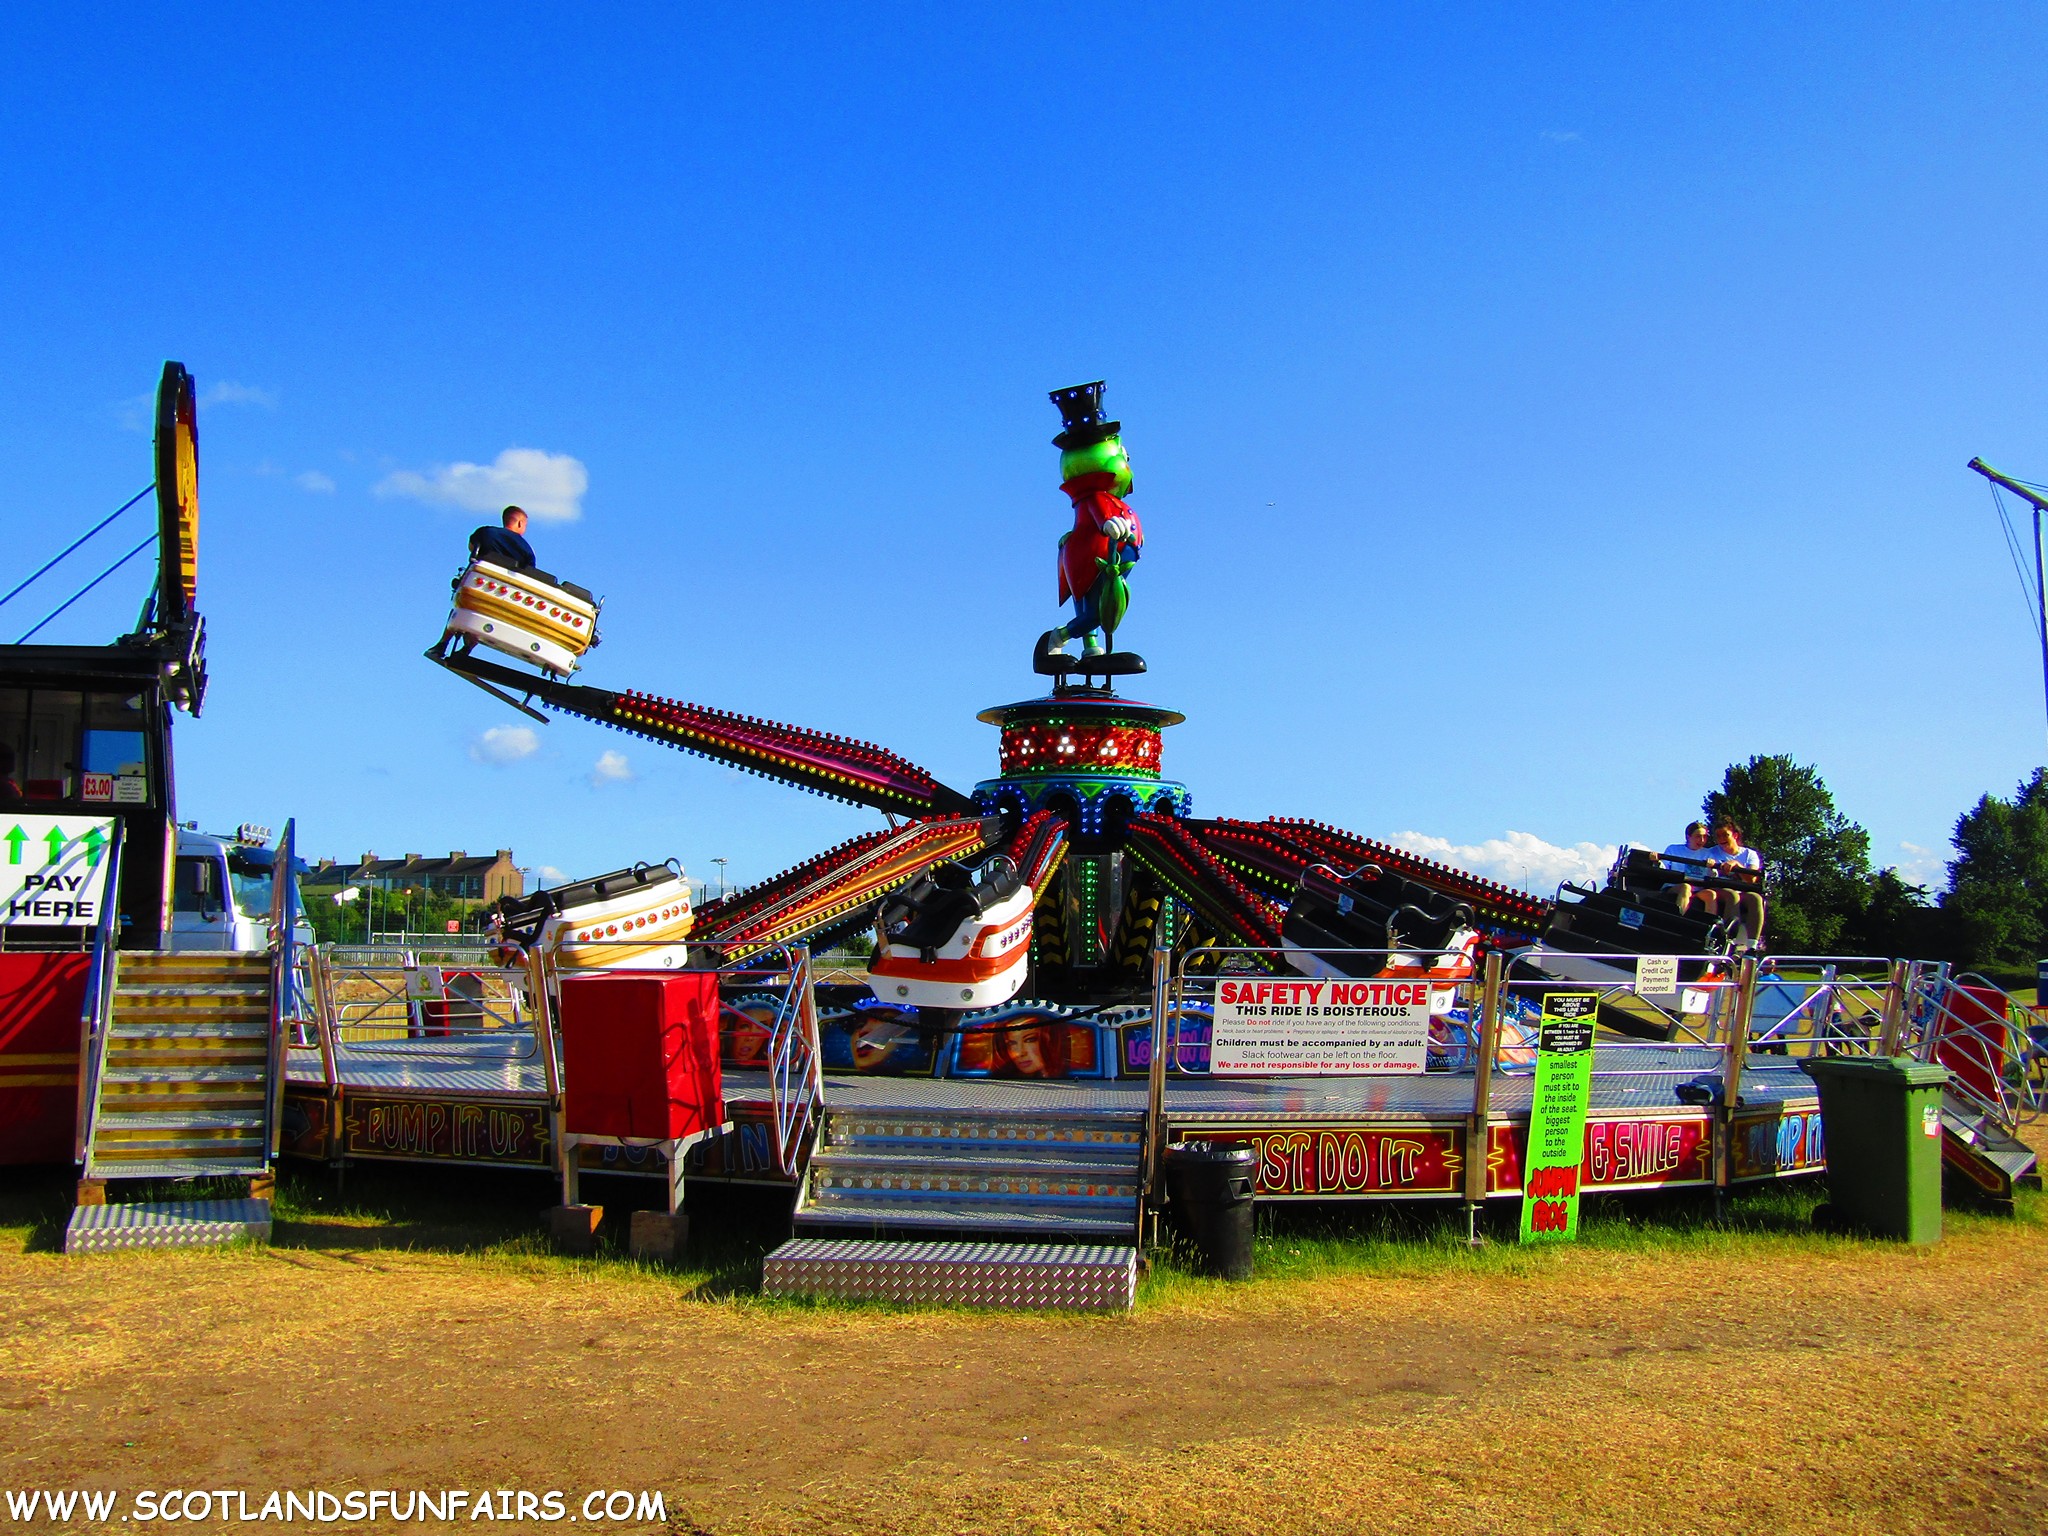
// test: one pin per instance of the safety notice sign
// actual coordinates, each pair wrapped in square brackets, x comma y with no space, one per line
[1327,1028]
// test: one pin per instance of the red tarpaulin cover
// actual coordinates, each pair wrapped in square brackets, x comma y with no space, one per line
[40,998]
[640,1055]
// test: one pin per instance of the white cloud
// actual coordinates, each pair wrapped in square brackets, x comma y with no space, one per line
[228,392]
[1922,866]
[313,480]
[505,744]
[548,485]
[1519,859]
[611,768]
[1560,136]
[137,413]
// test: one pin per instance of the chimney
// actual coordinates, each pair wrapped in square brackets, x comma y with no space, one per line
[457,853]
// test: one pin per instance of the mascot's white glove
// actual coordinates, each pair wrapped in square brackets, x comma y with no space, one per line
[1117,529]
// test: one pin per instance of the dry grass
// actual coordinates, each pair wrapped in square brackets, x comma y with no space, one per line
[1667,1373]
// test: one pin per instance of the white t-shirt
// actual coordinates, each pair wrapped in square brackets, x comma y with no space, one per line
[1747,858]
[1685,860]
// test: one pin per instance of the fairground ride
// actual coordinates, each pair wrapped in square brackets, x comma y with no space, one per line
[1080,813]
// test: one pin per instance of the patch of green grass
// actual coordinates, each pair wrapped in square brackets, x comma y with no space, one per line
[1429,1240]
[498,1218]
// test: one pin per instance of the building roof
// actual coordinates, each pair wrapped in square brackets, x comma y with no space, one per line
[399,871]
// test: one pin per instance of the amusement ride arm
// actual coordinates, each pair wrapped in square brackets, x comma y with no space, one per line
[834,889]
[836,767]
[1241,915]
[1278,848]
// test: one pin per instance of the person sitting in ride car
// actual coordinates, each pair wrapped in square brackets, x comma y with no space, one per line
[1689,860]
[1731,860]
[505,545]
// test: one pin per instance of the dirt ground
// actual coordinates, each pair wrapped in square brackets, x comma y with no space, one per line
[1743,1383]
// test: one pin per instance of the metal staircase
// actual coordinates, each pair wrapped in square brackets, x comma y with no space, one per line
[985,1179]
[182,1076]
[183,1087]
[980,1171]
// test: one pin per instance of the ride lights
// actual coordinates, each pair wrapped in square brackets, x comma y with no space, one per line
[1055,745]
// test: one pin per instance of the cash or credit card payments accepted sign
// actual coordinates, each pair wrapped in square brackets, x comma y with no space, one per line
[53,870]
[1557,1117]
[1328,1028]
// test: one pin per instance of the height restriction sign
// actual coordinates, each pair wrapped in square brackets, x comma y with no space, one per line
[1557,1116]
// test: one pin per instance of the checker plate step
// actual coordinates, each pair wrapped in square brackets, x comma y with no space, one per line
[165,1224]
[1036,1276]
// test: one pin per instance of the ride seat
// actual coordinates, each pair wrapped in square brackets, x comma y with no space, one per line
[931,909]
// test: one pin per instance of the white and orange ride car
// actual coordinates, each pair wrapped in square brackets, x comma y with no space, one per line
[955,938]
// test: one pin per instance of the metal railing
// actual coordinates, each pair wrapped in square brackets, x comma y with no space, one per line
[1994,1047]
[1724,1013]
[397,1002]
[374,999]
[96,1010]
[287,997]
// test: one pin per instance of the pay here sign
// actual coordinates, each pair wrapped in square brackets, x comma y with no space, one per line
[53,870]
[1328,1028]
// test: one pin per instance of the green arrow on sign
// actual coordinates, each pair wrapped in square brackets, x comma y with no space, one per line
[14,841]
[55,838]
[95,844]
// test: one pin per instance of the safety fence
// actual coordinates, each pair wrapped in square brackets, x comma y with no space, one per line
[499,1008]
[1705,1019]
[1708,1019]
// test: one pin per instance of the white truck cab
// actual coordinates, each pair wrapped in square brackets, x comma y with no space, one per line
[220,892]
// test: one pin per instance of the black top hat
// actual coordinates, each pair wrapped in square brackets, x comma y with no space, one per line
[1081,412]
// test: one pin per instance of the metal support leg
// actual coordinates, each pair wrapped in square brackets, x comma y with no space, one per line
[1735,1056]
[1478,1123]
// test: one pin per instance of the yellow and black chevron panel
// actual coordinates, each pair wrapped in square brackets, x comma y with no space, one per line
[1142,898]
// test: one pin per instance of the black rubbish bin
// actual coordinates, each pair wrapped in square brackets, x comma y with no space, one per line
[1209,1194]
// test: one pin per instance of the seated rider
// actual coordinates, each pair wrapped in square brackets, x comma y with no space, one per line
[504,545]
[1732,861]
[1689,860]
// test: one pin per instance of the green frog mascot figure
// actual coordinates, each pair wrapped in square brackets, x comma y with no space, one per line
[1097,553]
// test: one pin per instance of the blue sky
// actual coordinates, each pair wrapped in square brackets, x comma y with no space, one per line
[1532,409]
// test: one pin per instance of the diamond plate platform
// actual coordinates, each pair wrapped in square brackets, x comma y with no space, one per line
[166,1224]
[1036,1276]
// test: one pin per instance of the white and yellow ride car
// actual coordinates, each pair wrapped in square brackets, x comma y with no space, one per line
[528,614]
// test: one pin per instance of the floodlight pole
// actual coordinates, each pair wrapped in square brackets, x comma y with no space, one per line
[2039,503]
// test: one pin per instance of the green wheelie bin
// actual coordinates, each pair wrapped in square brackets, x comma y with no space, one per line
[1881,1119]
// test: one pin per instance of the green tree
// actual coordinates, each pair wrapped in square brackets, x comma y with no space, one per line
[419,911]
[1998,884]
[1900,921]
[1816,861]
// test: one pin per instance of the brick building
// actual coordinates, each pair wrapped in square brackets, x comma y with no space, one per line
[463,876]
